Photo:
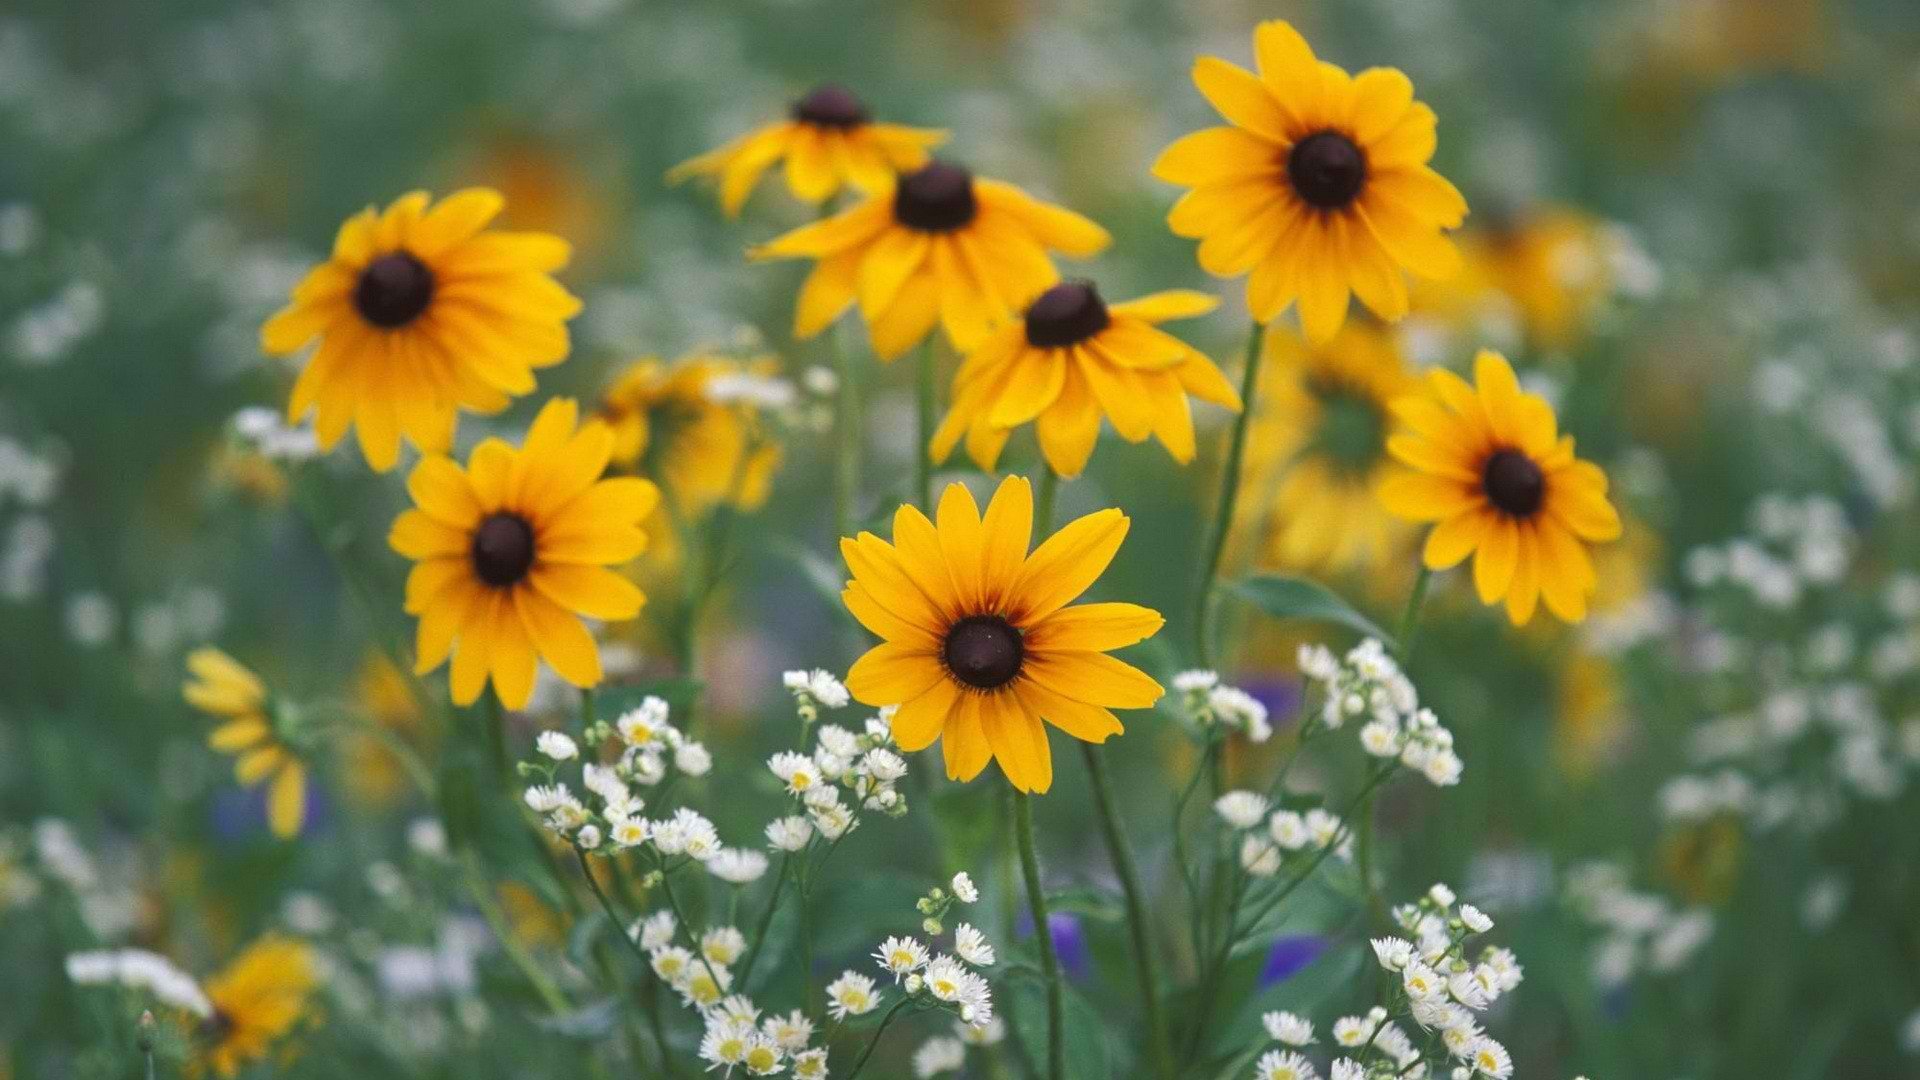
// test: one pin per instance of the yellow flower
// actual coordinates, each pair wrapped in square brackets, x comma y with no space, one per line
[222,687]
[669,421]
[1549,268]
[372,771]
[941,246]
[1591,717]
[1071,360]
[1502,485]
[257,999]
[421,313]
[511,548]
[829,142]
[1319,188]
[1321,434]
[979,644]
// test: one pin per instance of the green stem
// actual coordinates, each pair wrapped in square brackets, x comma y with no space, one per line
[1043,933]
[494,717]
[867,1051]
[1043,501]
[606,905]
[587,710]
[848,432]
[923,425]
[766,921]
[1123,866]
[1410,617]
[803,896]
[1229,495]
[497,922]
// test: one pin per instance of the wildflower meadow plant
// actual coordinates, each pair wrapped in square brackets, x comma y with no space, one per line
[669,684]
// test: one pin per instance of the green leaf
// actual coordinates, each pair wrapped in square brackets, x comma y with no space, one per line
[1085,902]
[1298,598]
[1088,1047]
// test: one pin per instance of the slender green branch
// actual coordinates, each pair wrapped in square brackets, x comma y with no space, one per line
[1229,495]
[848,433]
[490,911]
[1043,501]
[1410,618]
[606,905]
[867,1052]
[766,921]
[923,425]
[1121,853]
[1043,934]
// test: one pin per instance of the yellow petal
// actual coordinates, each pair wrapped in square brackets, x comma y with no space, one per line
[891,673]
[1065,565]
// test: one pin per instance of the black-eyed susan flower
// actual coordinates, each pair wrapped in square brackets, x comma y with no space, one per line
[980,646]
[257,999]
[939,246]
[1070,361]
[512,549]
[1318,190]
[1543,272]
[222,687]
[422,312]
[1491,471]
[680,424]
[1320,444]
[829,142]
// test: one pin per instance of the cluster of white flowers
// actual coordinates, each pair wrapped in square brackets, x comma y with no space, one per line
[737,1037]
[1440,990]
[813,690]
[948,1053]
[1206,702]
[267,432]
[863,767]
[143,971]
[609,813]
[1369,683]
[1795,544]
[1270,837]
[1642,931]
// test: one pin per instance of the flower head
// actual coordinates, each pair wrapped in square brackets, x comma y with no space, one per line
[981,646]
[257,999]
[512,549]
[939,246]
[1500,484]
[1074,358]
[222,687]
[420,312]
[1319,188]
[852,994]
[828,141]
[705,450]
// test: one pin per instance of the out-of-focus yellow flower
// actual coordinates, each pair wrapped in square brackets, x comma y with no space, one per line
[1319,450]
[222,687]
[545,191]
[514,548]
[979,644]
[251,473]
[532,921]
[1491,470]
[1590,717]
[260,997]
[1074,359]
[679,424]
[829,142]
[373,773]
[420,313]
[1319,189]
[1701,859]
[1548,269]
[939,246]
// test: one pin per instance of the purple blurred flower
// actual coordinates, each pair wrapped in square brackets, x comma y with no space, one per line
[239,815]
[1280,695]
[1289,955]
[1069,941]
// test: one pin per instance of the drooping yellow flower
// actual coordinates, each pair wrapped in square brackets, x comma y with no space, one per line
[372,772]
[1073,359]
[420,313]
[1500,484]
[828,143]
[1319,189]
[221,686]
[940,245]
[679,424]
[979,644]
[1319,444]
[259,998]
[513,547]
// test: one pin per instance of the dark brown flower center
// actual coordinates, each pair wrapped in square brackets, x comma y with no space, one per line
[503,549]
[1513,483]
[983,651]
[830,106]
[393,290]
[1327,170]
[1067,314]
[938,198]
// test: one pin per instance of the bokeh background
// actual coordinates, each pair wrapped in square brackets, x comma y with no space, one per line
[1695,227]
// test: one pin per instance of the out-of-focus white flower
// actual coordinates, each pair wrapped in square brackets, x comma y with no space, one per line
[1241,809]
[1289,1028]
[963,888]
